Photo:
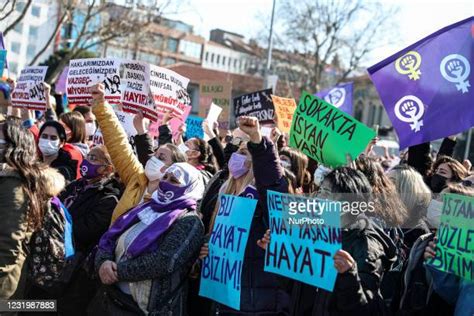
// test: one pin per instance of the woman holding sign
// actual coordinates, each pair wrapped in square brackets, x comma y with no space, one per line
[255,163]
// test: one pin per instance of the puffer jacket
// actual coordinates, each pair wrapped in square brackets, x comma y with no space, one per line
[126,164]
[357,291]
[261,293]
[13,230]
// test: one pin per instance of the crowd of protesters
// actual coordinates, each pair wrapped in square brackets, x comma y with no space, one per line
[105,230]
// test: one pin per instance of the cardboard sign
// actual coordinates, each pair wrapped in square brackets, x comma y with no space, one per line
[84,73]
[258,104]
[222,269]
[302,245]
[169,91]
[213,114]
[327,134]
[218,93]
[284,109]
[29,90]
[455,247]
[136,89]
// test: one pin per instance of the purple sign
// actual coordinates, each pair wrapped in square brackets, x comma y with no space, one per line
[426,87]
[340,96]
[61,83]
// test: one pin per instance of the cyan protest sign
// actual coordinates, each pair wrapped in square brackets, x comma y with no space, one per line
[194,127]
[455,247]
[222,268]
[3,61]
[305,235]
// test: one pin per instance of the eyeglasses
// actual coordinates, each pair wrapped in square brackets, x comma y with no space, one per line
[467,183]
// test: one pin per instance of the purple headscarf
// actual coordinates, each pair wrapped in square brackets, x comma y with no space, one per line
[172,208]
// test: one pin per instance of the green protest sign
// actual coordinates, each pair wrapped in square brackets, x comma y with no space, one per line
[325,133]
[455,247]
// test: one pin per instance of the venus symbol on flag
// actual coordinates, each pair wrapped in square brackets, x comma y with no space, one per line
[456,68]
[336,97]
[409,64]
[410,109]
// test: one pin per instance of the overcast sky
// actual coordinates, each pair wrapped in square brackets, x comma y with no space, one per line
[416,18]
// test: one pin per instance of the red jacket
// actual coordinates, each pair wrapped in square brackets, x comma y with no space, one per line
[75,155]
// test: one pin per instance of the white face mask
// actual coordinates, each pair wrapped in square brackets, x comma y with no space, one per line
[91,128]
[48,147]
[153,169]
[433,214]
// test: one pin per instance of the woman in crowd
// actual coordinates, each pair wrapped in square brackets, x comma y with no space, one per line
[454,290]
[147,254]
[367,252]
[22,203]
[155,161]
[416,196]
[390,212]
[52,139]
[89,119]
[75,127]
[255,169]
[446,170]
[295,161]
[91,202]
[200,155]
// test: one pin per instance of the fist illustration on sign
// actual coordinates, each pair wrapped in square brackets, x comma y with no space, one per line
[408,62]
[409,108]
[454,66]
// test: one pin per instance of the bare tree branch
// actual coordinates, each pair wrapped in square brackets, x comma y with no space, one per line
[19,18]
[9,11]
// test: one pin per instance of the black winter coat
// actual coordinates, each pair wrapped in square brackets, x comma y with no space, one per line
[357,291]
[91,208]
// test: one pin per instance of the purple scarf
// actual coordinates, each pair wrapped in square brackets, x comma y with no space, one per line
[146,240]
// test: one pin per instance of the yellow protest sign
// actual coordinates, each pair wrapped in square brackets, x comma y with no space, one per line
[284,108]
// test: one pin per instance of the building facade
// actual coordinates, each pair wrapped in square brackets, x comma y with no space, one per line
[30,35]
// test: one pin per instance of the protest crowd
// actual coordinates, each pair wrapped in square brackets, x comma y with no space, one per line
[193,217]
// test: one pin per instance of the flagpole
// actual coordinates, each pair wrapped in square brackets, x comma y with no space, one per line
[468,144]
[269,49]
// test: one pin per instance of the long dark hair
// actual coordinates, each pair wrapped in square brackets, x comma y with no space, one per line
[21,155]
[206,158]
[77,124]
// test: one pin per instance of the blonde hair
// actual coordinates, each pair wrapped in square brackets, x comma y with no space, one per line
[413,191]
[52,181]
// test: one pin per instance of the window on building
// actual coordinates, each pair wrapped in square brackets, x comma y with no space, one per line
[169,61]
[20,6]
[218,59]
[35,11]
[212,57]
[235,63]
[207,56]
[223,60]
[13,67]
[19,28]
[147,57]
[16,47]
[190,49]
[172,45]
[230,62]
[33,31]
[157,41]
[30,51]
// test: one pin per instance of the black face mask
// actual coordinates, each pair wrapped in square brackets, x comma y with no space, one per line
[438,183]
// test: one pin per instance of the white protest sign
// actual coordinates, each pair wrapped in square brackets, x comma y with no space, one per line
[136,89]
[29,90]
[169,91]
[126,119]
[84,73]
[213,115]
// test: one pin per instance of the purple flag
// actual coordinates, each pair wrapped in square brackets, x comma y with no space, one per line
[2,47]
[60,86]
[426,87]
[340,96]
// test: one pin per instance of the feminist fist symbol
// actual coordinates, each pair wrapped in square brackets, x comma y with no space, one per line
[409,108]
[454,66]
